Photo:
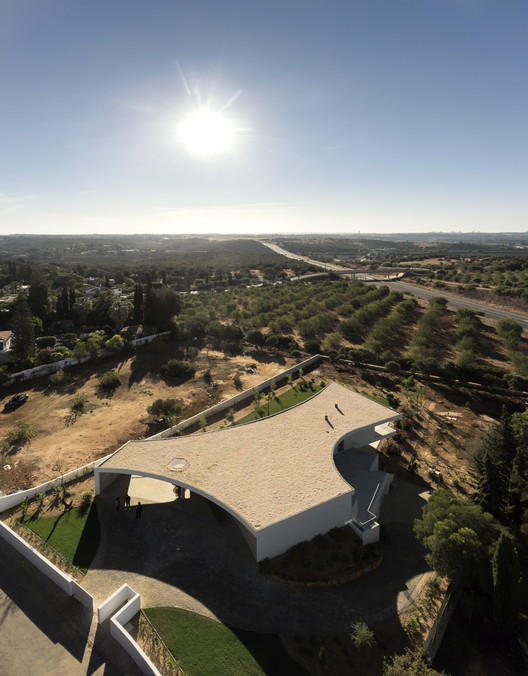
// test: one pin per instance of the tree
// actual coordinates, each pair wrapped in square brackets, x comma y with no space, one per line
[23,329]
[506,574]
[495,463]
[119,311]
[459,537]
[138,304]
[410,664]
[256,338]
[38,297]
[100,313]
[160,306]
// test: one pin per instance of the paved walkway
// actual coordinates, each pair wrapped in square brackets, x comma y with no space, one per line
[191,554]
[43,631]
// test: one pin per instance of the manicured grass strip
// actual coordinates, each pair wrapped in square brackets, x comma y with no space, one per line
[73,534]
[380,400]
[286,400]
[202,646]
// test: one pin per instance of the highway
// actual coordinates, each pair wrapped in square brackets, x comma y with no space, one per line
[453,302]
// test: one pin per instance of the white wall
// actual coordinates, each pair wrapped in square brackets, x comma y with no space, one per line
[370,434]
[13,499]
[62,580]
[46,369]
[279,537]
[129,604]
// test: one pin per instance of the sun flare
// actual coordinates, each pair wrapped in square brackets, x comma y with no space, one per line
[206,133]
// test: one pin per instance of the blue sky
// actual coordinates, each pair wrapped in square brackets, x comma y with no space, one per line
[349,116]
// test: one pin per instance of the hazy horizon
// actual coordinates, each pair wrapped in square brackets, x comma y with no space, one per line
[378,117]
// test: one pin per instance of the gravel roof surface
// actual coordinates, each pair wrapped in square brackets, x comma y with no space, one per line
[268,470]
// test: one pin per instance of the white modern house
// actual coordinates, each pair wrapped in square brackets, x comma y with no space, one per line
[285,478]
[6,339]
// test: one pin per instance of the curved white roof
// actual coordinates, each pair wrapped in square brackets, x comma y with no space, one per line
[264,471]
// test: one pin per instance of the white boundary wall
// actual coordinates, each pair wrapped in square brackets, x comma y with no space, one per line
[13,499]
[46,369]
[62,580]
[124,596]
[121,607]
[222,406]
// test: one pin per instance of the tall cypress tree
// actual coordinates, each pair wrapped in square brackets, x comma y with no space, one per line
[495,467]
[518,489]
[65,300]
[23,330]
[138,304]
[506,574]
[492,487]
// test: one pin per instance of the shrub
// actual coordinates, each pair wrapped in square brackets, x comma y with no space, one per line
[175,368]
[109,380]
[22,432]
[86,497]
[167,409]
[115,344]
[79,403]
[362,636]
[58,378]
[80,350]
[393,400]
[237,382]
[312,346]
[45,341]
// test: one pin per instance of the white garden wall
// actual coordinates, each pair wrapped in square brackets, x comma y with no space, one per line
[121,607]
[14,499]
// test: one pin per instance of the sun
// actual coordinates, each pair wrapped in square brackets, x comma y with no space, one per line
[206,133]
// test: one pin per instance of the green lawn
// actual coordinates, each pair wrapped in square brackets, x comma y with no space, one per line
[74,534]
[202,646]
[286,400]
[379,399]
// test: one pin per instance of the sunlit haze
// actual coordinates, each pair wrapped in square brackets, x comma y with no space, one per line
[246,117]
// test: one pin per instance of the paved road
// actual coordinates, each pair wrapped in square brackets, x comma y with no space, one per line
[454,302]
[43,631]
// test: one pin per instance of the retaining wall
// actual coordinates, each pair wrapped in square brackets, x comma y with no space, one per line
[121,607]
[62,580]
[14,499]
[247,395]
[119,616]
[436,634]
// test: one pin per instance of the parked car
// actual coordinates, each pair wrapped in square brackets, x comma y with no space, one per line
[16,401]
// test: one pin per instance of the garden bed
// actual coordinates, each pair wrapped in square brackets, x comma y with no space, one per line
[333,558]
